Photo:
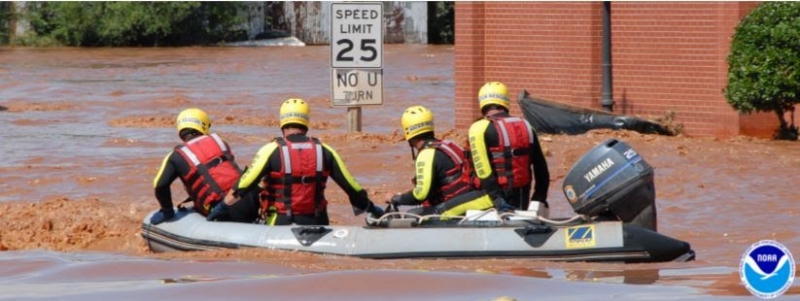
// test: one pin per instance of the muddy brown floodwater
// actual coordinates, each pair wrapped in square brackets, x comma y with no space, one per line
[84,131]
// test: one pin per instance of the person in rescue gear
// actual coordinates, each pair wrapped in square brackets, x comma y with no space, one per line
[505,152]
[442,181]
[293,171]
[205,165]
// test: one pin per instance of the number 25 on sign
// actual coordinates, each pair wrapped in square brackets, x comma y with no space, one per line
[357,35]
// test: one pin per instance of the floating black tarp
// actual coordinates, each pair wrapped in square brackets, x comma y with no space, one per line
[556,118]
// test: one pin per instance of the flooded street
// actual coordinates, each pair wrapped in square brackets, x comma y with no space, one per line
[85,130]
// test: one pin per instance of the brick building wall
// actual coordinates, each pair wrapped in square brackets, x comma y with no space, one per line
[666,56]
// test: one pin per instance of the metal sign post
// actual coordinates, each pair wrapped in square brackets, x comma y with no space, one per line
[356,58]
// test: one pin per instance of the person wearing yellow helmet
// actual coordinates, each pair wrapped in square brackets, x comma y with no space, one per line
[206,166]
[442,181]
[293,171]
[506,154]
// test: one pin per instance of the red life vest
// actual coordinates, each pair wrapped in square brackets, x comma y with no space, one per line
[457,181]
[299,187]
[511,159]
[212,171]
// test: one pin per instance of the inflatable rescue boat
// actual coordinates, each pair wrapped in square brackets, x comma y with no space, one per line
[611,190]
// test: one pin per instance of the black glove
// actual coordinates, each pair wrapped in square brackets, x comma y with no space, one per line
[375,211]
[221,209]
[161,216]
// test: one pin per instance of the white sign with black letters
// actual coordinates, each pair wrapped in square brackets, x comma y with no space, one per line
[357,53]
[353,87]
[357,35]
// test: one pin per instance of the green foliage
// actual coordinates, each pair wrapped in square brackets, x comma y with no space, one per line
[764,62]
[5,21]
[134,23]
[441,22]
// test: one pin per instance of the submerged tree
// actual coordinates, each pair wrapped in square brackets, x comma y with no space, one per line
[764,63]
[5,21]
[441,22]
[135,23]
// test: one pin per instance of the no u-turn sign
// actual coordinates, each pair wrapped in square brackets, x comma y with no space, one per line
[357,53]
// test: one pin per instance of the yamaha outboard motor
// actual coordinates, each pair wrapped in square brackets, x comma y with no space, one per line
[612,181]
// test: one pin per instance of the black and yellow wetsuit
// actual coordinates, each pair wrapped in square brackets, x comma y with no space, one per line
[440,182]
[504,166]
[200,179]
[302,201]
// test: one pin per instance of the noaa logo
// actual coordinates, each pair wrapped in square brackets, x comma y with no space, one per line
[767,269]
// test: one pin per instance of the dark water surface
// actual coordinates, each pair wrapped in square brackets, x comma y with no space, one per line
[84,131]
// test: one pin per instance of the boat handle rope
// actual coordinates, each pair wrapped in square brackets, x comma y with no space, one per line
[550,221]
[500,217]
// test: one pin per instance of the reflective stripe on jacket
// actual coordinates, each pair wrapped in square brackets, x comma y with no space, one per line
[212,171]
[298,188]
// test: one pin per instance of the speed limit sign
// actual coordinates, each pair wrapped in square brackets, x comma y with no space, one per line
[357,35]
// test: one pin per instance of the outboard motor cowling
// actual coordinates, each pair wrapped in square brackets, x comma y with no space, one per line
[613,180]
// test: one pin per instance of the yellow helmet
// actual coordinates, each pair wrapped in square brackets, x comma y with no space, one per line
[296,111]
[494,93]
[416,120]
[193,118]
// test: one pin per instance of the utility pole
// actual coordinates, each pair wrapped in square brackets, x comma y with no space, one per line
[607,96]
